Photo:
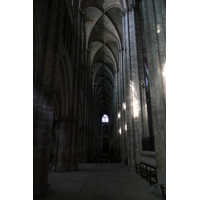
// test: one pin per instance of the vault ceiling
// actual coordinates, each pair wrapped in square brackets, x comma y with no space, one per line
[103,27]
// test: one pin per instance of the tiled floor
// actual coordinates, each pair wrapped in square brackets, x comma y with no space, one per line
[105,181]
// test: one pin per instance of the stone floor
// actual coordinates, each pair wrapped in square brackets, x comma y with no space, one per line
[105,181]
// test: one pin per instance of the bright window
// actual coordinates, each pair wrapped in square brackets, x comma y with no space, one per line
[105,118]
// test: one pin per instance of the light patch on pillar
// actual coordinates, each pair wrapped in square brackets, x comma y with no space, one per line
[134,102]
[125,127]
[145,107]
[164,71]
[158,28]
[120,131]
[119,115]
[124,106]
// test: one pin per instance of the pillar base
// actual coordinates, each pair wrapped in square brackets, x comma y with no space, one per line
[74,168]
[62,169]
[42,190]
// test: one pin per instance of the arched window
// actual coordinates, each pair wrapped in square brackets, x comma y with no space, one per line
[105,118]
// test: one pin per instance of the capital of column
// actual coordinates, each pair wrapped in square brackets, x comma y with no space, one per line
[80,10]
[134,5]
[88,50]
[124,11]
[122,49]
[130,8]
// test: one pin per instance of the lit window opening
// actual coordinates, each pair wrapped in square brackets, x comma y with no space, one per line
[105,118]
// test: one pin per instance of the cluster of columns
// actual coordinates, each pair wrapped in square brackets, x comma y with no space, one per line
[154,20]
[67,131]
[143,36]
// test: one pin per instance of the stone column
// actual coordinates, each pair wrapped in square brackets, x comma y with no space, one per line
[43,111]
[93,123]
[44,96]
[69,38]
[140,54]
[115,132]
[129,123]
[117,108]
[90,115]
[66,26]
[74,146]
[76,97]
[135,87]
[160,23]
[123,89]
[64,145]
[86,145]
[56,144]
[157,88]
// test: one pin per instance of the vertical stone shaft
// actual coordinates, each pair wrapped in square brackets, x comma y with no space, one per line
[63,149]
[119,100]
[58,41]
[141,49]
[43,107]
[140,55]
[156,89]
[116,110]
[160,22]
[128,117]
[123,67]
[75,128]
[44,104]
[56,144]
[86,108]
[135,88]
[50,45]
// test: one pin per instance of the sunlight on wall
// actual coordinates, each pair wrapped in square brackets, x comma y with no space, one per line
[125,127]
[164,71]
[120,131]
[119,115]
[124,106]
[158,28]
[134,102]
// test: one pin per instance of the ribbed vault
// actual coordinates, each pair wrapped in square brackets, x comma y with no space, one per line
[103,27]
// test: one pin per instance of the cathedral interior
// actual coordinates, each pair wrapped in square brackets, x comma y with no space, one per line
[99,90]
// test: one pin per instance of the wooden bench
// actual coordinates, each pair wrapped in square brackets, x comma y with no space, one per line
[147,171]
